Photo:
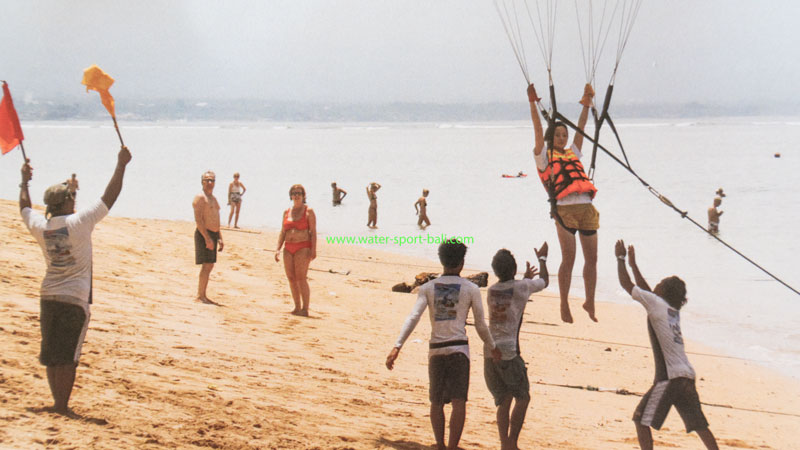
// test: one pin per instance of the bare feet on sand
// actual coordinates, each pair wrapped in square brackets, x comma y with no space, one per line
[299,312]
[566,316]
[206,300]
[589,307]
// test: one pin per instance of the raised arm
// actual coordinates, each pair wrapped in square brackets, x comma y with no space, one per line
[640,281]
[586,101]
[115,184]
[24,195]
[538,133]
[541,255]
[622,271]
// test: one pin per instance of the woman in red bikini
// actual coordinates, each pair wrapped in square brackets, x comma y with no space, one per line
[299,241]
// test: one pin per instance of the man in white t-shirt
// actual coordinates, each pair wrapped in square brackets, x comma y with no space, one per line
[507,379]
[449,299]
[65,237]
[674,382]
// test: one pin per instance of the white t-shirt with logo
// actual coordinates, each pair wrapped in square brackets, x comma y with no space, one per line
[666,323]
[66,242]
[449,299]
[506,302]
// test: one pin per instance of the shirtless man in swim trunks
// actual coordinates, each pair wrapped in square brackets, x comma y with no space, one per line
[207,235]
[421,207]
[338,194]
[713,215]
[72,184]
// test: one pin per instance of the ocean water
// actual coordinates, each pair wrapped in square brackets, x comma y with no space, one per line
[732,306]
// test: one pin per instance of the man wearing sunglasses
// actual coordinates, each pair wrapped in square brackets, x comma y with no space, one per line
[207,235]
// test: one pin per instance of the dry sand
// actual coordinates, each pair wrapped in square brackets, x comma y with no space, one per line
[160,370]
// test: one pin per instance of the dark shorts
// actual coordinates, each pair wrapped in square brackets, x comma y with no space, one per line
[506,378]
[449,377]
[203,255]
[681,392]
[63,330]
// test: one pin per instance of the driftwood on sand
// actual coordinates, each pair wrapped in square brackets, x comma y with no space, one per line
[481,279]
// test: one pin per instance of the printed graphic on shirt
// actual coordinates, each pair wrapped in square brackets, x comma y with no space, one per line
[675,326]
[499,302]
[59,248]
[445,299]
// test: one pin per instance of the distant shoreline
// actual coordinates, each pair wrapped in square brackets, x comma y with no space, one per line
[287,111]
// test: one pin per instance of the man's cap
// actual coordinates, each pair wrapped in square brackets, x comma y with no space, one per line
[57,194]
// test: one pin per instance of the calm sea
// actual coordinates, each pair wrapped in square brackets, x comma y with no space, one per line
[732,305]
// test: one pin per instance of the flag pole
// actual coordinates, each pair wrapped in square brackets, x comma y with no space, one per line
[116,128]
[25,157]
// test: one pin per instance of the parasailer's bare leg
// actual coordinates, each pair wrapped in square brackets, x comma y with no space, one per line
[567,242]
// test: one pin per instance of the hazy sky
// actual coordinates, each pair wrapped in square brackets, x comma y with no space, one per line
[723,51]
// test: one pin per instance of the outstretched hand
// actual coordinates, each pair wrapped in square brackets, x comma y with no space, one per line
[631,256]
[541,251]
[619,249]
[532,97]
[530,271]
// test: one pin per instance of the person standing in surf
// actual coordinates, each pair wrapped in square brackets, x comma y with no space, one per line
[570,192]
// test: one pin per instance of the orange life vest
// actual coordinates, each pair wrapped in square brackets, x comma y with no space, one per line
[568,175]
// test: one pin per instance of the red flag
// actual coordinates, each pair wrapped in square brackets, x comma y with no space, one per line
[10,130]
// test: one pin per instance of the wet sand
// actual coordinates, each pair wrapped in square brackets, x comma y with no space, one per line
[160,370]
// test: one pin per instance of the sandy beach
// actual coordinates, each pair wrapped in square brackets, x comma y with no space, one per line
[160,370]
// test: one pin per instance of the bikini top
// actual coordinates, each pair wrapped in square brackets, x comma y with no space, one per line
[301,224]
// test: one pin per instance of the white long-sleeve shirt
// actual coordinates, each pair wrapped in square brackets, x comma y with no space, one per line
[449,299]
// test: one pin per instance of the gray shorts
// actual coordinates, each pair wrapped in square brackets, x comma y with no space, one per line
[680,392]
[507,377]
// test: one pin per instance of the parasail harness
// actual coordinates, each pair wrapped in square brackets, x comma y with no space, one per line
[592,46]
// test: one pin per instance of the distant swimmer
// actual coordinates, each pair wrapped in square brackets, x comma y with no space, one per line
[298,238]
[207,235]
[65,237]
[570,192]
[421,207]
[372,213]
[338,194]
[72,184]
[714,215]
[674,383]
[235,192]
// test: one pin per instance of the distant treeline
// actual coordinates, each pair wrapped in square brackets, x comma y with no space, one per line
[262,110]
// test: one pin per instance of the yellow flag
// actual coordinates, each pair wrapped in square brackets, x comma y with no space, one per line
[95,79]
